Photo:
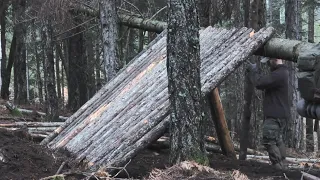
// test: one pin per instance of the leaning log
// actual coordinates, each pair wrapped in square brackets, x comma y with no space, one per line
[132,110]
[221,124]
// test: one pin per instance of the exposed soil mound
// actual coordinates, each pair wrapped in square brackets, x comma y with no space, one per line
[21,158]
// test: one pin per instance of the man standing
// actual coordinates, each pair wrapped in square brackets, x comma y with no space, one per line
[276,108]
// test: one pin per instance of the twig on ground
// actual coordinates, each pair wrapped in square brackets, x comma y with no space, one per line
[61,167]
[123,169]
[285,176]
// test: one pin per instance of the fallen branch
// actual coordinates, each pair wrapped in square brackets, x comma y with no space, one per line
[307,176]
[60,168]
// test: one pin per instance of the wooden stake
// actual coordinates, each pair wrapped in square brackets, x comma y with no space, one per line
[221,125]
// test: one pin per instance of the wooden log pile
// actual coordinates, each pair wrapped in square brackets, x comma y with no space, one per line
[36,129]
[132,110]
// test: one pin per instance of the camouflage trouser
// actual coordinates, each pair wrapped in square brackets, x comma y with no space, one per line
[273,134]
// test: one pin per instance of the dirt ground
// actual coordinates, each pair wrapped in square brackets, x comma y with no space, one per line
[20,158]
[146,161]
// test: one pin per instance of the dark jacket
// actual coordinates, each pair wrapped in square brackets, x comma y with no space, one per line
[275,86]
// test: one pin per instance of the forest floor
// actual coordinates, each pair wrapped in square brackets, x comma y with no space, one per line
[21,157]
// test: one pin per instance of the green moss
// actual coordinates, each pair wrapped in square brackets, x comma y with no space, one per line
[16,112]
[58,178]
[201,158]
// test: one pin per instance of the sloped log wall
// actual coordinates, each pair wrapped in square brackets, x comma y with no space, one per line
[132,110]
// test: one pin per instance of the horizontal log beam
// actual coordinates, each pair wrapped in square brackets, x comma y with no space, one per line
[284,49]
[275,48]
[127,20]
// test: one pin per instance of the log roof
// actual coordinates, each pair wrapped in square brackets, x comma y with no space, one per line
[132,110]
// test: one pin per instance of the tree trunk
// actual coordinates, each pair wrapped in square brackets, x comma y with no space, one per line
[309,122]
[309,135]
[97,66]
[74,53]
[52,100]
[256,22]
[109,28]
[20,86]
[183,67]
[3,45]
[58,74]
[6,81]
[295,124]
[311,21]
[141,40]
[237,11]
[246,5]
[90,70]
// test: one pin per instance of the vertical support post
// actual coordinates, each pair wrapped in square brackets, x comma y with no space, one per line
[221,124]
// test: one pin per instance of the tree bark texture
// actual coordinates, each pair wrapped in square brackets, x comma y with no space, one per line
[293,32]
[57,65]
[38,65]
[6,81]
[20,79]
[50,83]
[132,110]
[311,21]
[183,68]
[3,44]
[77,77]
[109,30]
[256,14]
[90,64]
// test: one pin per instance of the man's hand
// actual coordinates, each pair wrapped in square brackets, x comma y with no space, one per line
[252,68]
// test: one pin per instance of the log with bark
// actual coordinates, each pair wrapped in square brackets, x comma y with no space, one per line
[11,107]
[211,146]
[308,176]
[132,110]
[274,48]
[38,130]
[132,21]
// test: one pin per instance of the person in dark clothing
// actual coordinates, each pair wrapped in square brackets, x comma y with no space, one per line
[276,107]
